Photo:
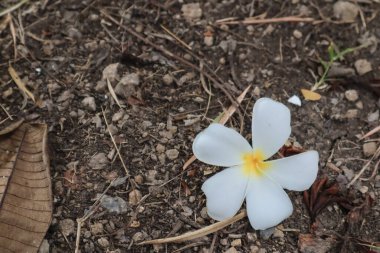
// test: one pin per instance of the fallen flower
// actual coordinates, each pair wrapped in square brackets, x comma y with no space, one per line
[250,176]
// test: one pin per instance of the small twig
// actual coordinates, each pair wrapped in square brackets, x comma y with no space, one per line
[175,37]
[211,250]
[357,176]
[80,221]
[6,112]
[171,55]
[252,21]
[12,8]
[114,143]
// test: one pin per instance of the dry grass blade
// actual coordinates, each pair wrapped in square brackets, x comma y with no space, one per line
[223,120]
[20,84]
[12,8]
[198,233]
[25,188]
[111,90]
[252,21]
[373,131]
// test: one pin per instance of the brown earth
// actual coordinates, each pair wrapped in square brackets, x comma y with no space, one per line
[64,50]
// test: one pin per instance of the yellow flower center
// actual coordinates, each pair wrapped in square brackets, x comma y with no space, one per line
[253,163]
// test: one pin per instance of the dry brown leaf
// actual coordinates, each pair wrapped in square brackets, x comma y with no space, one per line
[198,233]
[20,84]
[310,95]
[225,117]
[25,188]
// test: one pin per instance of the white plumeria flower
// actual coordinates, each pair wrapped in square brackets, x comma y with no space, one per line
[250,176]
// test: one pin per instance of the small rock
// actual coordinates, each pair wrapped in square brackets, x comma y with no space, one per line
[254,249]
[363,66]
[110,72]
[351,95]
[66,95]
[236,243]
[352,113]
[278,233]
[348,173]
[96,228]
[127,85]
[369,148]
[151,176]
[359,105]
[139,236]
[267,233]
[251,237]
[297,34]
[363,189]
[103,242]
[118,116]
[208,40]
[139,179]
[160,148]
[374,116]
[345,11]
[89,103]
[231,250]
[168,79]
[191,11]
[45,247]
[67,226]
[134,197]
[262,250]
[98,161]
[119,181]
[308,243]
[113,204]
[172,154]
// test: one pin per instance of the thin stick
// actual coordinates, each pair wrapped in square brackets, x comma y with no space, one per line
[357,176]
[6,112]
[80,221]
[171,55]
[114,143]
[251,21]
[175,37]
[12,8]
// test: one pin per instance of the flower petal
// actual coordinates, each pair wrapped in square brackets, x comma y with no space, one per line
[267,203]
[221,146]
[270,126]
[225,192]
[296,172]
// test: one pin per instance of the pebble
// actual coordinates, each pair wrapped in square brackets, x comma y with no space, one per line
[254,249]
[45,247]
[103,242]
[134,197]
[110,72]
[278,233]
[67,226]
[297,34]
[374,116]
[351,95]
[348,173]
[231,250]
[172,154]
[369,148]
[139,236]
[345,11]
[236,243]
[363,66]
[160,148]
[66,95]
[118,116]
[113,204]
[267,233]
[139,179]
[96,228]
[89,103]
[351,113]
[208,40]
[191,11]
[168,79]
[98,161]
[363,189]
[359,105]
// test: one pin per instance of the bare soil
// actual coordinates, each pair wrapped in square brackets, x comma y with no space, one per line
[64,50]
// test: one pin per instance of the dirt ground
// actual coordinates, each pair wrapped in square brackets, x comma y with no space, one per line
[162,59]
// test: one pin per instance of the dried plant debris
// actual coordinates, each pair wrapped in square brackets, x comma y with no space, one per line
[25,188]
[322,194]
